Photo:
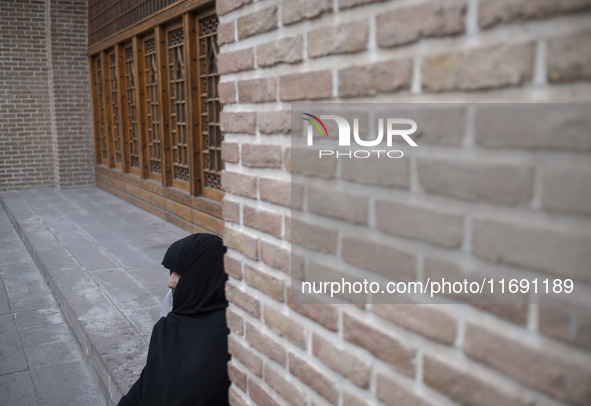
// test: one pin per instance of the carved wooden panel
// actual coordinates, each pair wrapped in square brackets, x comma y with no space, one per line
[178,108]
[132,122]
[117,145]
[211,136]
[153,108]
[100,130]
[156,107]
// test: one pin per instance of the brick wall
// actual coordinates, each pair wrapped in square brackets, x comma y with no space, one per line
[277,52]
[71,94]
[45,135]
[26,143]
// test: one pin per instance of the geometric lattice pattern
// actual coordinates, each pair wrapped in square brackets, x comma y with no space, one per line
[115,108]
[130,83]
[178,105]
[102,154]
[211,136]
[148,109]
[153,106]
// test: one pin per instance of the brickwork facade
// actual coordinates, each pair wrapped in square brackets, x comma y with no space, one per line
[45,124]
[71,98]
[276,52]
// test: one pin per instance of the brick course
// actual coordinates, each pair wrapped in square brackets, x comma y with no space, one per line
[569,57]
[283,325]
[266,282]
[380,343]
[302,86]
[415,222]
[498,66]
[467,387]
[532,246]
[294,11]
[500,183]
[493,12]
[558,377]
[369,80]
[350,366]
[236,61]
[314,378]
[285,50]
[393,393]
[257,90]
[266,344]
[285,388]
[409,24]
[342,39]
[262,156]
[258,22]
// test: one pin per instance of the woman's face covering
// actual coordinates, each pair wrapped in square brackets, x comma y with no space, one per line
[199,259]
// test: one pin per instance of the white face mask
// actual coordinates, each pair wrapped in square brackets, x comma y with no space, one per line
[166,304]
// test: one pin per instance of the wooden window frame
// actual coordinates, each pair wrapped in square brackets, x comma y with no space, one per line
[130,76]
[167,20]
[198,101]
[98,106]
[151,119]
[175,150]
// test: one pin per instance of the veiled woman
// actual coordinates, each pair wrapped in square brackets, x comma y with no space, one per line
[188,353]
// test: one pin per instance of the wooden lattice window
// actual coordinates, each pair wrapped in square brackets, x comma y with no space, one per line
[117,144]
[153,109]
[211,136]
[178,108]
[156,105]
[132,123]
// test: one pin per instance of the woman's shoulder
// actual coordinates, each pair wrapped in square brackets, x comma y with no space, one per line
[165,326]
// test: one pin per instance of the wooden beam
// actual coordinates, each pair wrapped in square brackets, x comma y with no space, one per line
[199,203]
[167,206]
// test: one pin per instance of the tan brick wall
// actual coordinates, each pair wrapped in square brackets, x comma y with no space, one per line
[460,203]
[45,135]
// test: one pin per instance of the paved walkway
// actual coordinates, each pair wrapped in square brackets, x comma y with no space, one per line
[101,258]
[41,363]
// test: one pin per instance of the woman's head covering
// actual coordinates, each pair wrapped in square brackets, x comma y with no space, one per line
[199,259]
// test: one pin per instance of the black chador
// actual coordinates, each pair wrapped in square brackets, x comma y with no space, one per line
[188,353]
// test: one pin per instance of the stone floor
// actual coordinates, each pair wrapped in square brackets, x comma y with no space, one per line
[41,362]
[101,258]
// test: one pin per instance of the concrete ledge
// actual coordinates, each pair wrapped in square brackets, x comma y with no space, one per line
[100,257]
